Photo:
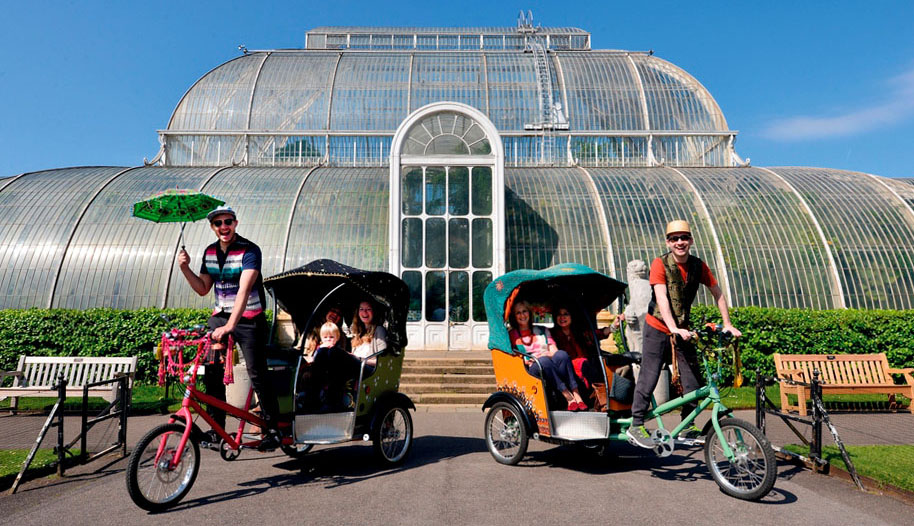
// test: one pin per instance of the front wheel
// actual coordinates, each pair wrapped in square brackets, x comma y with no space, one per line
[751,473]
[506,434]
[157,477]
[394,435]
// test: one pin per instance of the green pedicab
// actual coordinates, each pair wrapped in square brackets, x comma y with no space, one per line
[739,457]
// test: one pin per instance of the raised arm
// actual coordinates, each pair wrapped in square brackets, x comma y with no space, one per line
[200,284]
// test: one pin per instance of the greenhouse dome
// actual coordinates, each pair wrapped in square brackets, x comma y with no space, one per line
[449,156]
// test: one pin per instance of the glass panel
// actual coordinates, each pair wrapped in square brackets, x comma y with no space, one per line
[434,190]
[459,304]
[482,190]
[481,280]
[458,243]
[482,242]
[413,280]
[434,296]
[411,190]
[458,182]
[435,243]
[411,241]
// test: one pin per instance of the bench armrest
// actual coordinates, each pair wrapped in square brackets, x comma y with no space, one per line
[907,372]
[14,374]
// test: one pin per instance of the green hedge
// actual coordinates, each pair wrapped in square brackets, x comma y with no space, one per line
[93,332]
[796,331]
[109,332]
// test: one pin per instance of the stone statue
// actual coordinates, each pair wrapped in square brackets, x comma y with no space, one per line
[639,290]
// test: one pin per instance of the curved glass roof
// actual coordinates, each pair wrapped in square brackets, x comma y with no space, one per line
[373,91]
[784,237]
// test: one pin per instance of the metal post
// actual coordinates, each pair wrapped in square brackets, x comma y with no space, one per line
[61,396]
[124,395]
[84,427]
[759,400]
[815,448]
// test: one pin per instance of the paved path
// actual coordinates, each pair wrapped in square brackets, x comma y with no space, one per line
[451,479]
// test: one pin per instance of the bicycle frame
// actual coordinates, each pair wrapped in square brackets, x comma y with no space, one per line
[191,402]
[706,395]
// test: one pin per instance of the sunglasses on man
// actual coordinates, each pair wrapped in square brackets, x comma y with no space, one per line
[683,237]
[219,222]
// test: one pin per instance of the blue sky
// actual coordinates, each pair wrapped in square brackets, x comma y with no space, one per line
[811,83]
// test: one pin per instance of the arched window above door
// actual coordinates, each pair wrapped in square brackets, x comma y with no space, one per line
[446,133]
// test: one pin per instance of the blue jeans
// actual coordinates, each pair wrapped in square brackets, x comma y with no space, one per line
[557,371]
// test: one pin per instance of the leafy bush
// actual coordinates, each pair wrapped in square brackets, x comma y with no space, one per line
[93,332]
[796,331]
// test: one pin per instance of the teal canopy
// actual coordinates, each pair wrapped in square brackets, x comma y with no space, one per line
[566,282]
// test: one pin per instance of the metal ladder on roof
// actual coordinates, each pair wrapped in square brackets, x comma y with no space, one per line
[551,116]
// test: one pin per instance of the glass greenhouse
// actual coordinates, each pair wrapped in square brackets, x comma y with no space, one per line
[449,156]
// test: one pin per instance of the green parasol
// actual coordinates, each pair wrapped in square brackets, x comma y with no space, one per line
[176,206]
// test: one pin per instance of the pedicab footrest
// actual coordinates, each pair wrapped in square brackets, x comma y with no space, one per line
[580,425]
[328,428]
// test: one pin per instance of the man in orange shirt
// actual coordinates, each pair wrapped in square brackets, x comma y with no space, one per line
[674,278]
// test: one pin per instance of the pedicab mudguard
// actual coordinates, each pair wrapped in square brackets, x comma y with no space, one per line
[501,396]
[389,399]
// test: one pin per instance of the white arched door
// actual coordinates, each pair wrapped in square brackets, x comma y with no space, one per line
[447,222]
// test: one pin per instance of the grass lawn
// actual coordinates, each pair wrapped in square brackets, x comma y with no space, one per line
[886,464]
[147,399]
[11,461]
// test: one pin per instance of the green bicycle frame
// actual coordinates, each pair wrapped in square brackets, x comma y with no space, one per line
[706,395]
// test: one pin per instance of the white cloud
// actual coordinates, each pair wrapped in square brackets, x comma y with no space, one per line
[896,107]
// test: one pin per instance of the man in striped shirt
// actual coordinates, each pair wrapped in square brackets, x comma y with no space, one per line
[231,267]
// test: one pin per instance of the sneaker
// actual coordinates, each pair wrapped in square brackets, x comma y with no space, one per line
[212,437]
[639,436]
[270,441]
[691,432]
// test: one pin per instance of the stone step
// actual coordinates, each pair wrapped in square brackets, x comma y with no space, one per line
[461,399]
[449,370]
[448,378]
[442,389]
[446,362]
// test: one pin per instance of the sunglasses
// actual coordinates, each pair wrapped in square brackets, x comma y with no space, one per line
[219,222]
[683,237]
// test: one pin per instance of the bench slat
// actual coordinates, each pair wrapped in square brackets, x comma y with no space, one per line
[842,373]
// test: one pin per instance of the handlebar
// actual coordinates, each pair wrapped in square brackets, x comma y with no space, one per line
[713,329]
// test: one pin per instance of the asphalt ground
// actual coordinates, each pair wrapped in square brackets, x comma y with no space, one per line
[450,478]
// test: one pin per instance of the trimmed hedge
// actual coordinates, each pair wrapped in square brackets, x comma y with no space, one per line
[797,331]
[109,332]
[93,332]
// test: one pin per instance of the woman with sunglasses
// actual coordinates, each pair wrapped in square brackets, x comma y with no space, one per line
[556,364]
[674,278]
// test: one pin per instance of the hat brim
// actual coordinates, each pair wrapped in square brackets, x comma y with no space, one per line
[216,213]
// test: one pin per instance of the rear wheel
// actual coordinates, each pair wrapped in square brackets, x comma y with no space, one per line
[506,435]
[156,478]
[753,470]
[394,435]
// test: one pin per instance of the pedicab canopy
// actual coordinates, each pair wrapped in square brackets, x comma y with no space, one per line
[566,282]
[324,282]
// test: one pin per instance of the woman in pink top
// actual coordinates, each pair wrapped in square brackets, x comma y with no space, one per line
[556,365]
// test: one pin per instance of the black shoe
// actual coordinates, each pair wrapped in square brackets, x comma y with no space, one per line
[211,439]
[271,440]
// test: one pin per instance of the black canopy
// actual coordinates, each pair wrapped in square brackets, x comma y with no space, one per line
[304,290]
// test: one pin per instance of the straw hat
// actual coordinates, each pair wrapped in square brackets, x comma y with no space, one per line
[678,226]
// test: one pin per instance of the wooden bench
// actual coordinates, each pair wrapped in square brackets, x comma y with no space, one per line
[840,374]
[37,375]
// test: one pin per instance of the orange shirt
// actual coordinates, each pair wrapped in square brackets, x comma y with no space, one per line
[658,277]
